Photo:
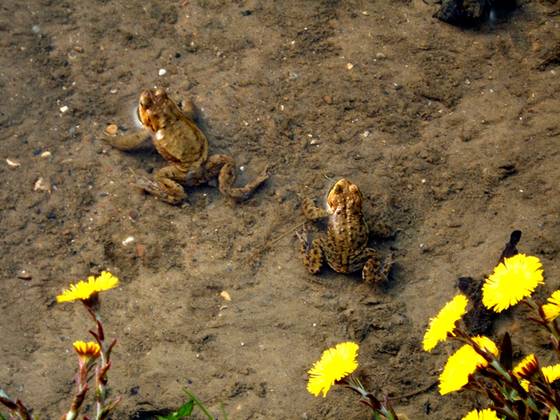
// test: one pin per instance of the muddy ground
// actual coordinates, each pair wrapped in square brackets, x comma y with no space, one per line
[452,135]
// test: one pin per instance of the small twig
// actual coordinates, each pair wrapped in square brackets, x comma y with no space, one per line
[284,234]
[412,394]
[274,241]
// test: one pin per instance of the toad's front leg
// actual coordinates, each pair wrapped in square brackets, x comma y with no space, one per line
[166,184]
[311,211]
[129,141]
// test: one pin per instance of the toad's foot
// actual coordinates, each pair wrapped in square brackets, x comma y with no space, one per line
[160,190]
[165,185]
[223,167]
[189,109]
[312,253]
[377,269]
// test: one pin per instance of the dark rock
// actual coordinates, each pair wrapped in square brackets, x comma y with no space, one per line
[472,12]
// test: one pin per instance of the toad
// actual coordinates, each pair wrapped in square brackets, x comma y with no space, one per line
[345,245]
[184,146]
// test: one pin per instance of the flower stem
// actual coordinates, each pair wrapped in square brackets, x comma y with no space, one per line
[102,408]
[367,398]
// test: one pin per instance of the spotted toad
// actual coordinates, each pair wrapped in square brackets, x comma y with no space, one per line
[345,245]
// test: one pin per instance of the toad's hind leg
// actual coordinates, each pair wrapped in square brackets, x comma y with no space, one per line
[376,269]
[223,167]
[166,184]
[312,253]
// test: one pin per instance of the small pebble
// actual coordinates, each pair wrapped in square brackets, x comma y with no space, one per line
[24,275]
[314,141]
[140,250]
[162,72]
[63,109]
[78,49]
[128,240]
[328,99]
[226,296]
[13,163]
[46,154]
[349,66]
[380,56]
[111,129]
[35,29]
[42,185]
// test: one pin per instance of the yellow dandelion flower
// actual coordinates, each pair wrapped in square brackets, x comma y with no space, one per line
[464,363]
[551,373]
[84,290]
[444,322]
[513,280]
[105,281]
[526,367]
[335,363]
[87,351]
[524,384]
[551,309]
[486,414]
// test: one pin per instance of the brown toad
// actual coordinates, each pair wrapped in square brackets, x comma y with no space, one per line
[177,138]
[345,246]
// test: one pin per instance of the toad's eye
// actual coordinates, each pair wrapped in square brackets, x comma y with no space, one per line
[353,188]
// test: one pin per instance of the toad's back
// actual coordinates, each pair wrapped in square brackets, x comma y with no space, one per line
[182,142]
[347,238]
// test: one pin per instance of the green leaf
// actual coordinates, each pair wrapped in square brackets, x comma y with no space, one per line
[184,411]
[199,404]
[554,414]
